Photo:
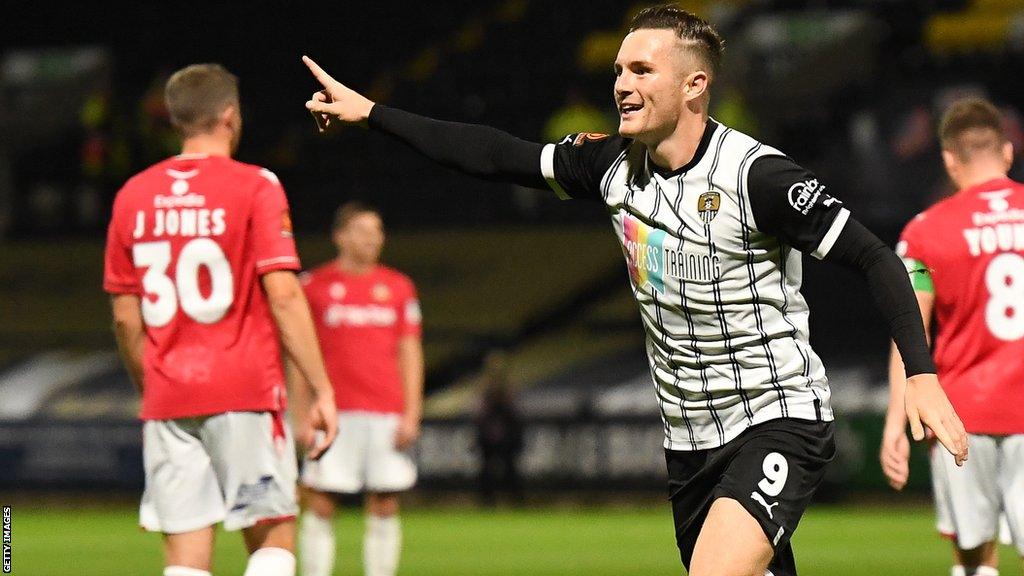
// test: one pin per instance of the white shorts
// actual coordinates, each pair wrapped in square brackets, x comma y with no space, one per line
[363,457]
[976,503]
[238,468]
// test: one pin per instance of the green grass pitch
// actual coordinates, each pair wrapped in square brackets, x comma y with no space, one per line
[562,540]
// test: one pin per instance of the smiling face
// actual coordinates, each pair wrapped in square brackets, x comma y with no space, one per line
[656,80]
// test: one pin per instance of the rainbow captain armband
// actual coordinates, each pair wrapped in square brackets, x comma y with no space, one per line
[920,275]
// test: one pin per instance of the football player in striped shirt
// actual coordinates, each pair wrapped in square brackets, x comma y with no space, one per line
[712,225]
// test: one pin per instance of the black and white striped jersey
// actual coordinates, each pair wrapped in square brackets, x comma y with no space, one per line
[713,254]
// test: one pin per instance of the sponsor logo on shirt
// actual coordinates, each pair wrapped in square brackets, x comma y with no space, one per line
[804,195]
[651,255]
[359,316]
[337,291]
[989,218]
[708,204]
[642,246]
[180,188]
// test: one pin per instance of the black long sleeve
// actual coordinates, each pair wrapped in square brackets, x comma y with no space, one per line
[480,151]
[857,248]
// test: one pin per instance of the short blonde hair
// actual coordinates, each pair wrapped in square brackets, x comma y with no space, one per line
[971,126]
[197,95]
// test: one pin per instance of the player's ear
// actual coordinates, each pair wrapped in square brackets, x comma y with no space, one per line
[949,161]
[1008,154]
[696,85]
[230,116]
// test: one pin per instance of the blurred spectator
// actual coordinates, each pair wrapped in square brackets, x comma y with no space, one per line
[731,109]
[499,433]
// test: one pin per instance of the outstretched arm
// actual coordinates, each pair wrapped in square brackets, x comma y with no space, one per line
[790,202]
[926,404]
[477,150]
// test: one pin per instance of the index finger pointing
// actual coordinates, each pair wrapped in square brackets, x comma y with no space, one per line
[318,72]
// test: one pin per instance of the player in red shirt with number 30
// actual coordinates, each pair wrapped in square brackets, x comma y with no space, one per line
[966,259]
[200,263]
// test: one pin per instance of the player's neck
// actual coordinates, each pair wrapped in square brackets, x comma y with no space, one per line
[354,267]
[979,175]
[678,149]
[208,144]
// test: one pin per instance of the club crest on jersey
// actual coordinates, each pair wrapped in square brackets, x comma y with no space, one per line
[337,290]
[708,204]
[381,293]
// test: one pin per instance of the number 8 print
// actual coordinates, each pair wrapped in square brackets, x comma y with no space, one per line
[1004,313]
[156,257]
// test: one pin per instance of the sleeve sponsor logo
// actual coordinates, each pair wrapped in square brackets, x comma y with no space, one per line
[286,225]
[584,137]
[803,196]
[381,292]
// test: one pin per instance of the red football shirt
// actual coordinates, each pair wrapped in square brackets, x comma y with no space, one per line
[192,235]
[359,321]
[973,245]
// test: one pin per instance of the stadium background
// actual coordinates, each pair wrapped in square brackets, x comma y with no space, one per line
[851,90]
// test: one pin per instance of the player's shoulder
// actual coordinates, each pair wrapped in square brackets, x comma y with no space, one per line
[253,172]
[141,184]
[393,276]
[947,207]
[733,138]
[757,161]
[600,148]
[145,176]
[934,218]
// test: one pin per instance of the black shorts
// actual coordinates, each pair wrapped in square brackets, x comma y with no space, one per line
[771,469]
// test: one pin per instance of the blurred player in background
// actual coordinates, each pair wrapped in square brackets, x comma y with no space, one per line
[499,432]
[965,256]
[201,265]
[368,320]
[712,224]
